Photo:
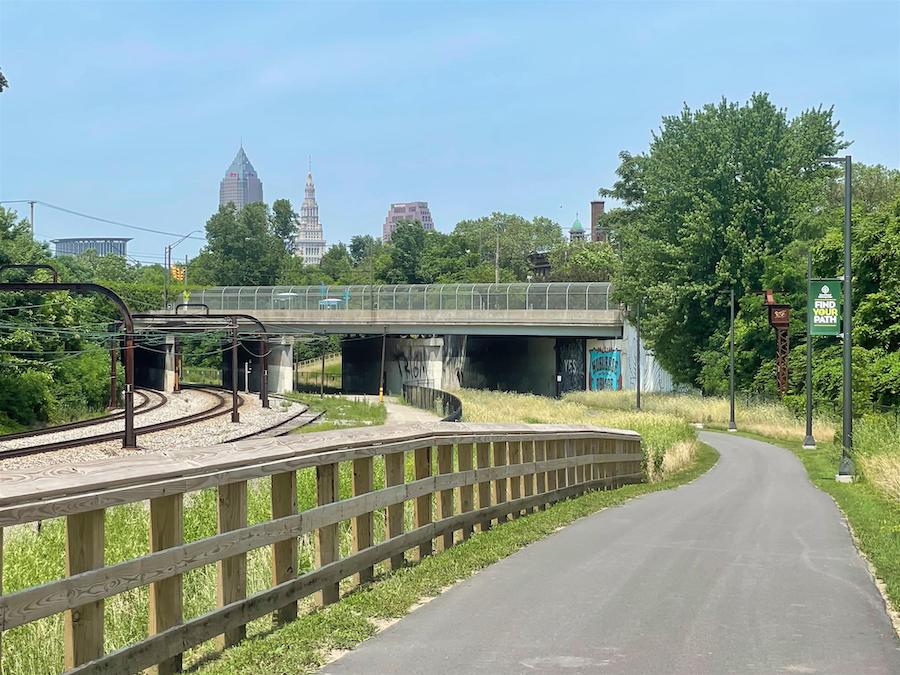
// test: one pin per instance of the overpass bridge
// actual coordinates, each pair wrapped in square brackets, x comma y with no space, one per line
[543,338]
[523,309]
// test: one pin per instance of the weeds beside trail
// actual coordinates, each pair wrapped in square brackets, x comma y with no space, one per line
[306,644]
[669,443]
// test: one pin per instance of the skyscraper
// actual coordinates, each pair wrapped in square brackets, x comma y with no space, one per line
[406,212]
[309,242]
[241,185]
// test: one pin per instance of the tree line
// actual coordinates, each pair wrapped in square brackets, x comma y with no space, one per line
[734,196]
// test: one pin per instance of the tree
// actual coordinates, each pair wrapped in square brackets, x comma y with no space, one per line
[241,248]
[583,261]
[337,265]
[283,223]
[518,237]
[407,247]
[719,196]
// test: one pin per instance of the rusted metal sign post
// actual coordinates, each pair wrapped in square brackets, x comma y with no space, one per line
[780,319]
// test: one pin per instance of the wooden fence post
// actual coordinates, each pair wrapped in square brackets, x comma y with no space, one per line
[500,459]
[394,474]
[528,478]
[581,451]
[552,474]
[570,451]
[561,474]
[166,531]
[284,553]
[466,492]
[328,542]
[423,504]
[1,595]
[231,577]
[83,633]
[362,525]
[514,452]
[483,456]
[445,501]
[540,455]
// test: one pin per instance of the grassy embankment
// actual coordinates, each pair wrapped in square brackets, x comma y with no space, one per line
[871,504]
[31,559]
[340,413]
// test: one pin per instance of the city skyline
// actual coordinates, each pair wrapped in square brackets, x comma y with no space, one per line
[241,184]
[518,108]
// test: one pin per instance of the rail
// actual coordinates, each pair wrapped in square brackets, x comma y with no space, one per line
[431,399]
[528,466]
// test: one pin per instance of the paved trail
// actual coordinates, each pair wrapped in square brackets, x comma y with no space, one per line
[749,569]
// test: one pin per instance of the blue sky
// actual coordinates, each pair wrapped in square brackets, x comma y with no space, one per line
[133,111]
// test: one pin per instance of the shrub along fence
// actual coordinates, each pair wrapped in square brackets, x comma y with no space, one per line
[484,474]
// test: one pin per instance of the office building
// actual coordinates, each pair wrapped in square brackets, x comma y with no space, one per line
[80,245]
[241,184]
[309,242]
[406,212]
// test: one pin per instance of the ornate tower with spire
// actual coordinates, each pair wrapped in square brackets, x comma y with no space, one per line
[309,243]
[241,185]
[576,232]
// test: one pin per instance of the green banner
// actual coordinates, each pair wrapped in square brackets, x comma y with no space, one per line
[824,307]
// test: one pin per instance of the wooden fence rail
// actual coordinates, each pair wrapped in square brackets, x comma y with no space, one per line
[533,465]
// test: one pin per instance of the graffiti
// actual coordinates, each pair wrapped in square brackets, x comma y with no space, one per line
[570,364]
[412,364]
[606,370]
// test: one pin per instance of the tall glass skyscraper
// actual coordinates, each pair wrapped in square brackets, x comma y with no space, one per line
[241,185]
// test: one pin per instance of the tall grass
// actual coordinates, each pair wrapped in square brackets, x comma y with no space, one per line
[768,419]
[876,439]
[668,441]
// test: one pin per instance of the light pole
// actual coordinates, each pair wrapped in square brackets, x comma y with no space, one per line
[168,265]
[732,427]
[846,468]
[637,402]
[809,441]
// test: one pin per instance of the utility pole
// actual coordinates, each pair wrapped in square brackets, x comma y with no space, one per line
[381,370]
[113,384]
[497,257]
[31,219]
[809,441]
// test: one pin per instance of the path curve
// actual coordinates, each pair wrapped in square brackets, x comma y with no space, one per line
[749,569]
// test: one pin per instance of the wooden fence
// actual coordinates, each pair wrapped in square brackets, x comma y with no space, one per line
[484,474]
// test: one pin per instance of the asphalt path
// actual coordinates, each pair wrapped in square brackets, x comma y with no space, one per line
[749,569]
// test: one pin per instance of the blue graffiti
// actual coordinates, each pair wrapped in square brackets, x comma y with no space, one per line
[606,370]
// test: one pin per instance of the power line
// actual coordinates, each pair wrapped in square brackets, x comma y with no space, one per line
[98,218]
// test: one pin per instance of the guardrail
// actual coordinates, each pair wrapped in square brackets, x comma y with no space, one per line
[528,467]
[431,399]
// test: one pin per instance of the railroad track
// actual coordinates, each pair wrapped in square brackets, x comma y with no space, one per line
[222,407]
[284,427]
[144,406]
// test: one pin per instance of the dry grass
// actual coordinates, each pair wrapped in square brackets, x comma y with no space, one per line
[768,419]
[877,442]
[668,442]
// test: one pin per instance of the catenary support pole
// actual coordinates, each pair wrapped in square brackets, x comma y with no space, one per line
[381,369]
[235,415]
[322,384]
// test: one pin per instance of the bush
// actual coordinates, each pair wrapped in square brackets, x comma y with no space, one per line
[26,397]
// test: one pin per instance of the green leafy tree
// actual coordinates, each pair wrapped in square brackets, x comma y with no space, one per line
[721,192]
[583,261]
[283,223]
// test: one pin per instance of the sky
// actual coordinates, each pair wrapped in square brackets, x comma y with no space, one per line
[133,111]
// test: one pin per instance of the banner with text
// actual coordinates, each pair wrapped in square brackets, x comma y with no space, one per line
[824,307]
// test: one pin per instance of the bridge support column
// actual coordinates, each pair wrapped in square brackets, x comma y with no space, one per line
[281,365]
[169,375]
